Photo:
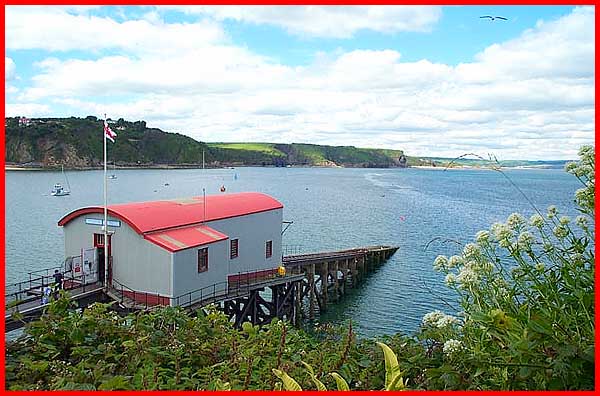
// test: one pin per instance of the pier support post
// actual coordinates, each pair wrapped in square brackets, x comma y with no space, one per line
[324,273]
[311,293]
[336,287]
[353,271]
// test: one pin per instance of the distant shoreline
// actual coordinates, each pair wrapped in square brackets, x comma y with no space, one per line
[15,167]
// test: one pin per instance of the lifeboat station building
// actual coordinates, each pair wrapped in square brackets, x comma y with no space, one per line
[173,248]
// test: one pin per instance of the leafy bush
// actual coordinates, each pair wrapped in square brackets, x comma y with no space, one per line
[526,288]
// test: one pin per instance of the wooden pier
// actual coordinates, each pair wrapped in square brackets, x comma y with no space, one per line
[327,275]
[314,279]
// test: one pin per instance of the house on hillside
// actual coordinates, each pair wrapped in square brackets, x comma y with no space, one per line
[168,250]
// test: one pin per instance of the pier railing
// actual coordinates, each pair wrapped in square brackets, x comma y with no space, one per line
[237,285]
[33,288]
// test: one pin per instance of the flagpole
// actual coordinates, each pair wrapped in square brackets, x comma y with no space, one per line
[105,212]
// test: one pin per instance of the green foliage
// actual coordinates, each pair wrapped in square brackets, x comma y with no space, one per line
[526,288]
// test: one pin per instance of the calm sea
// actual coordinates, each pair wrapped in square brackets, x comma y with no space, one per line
[331,209]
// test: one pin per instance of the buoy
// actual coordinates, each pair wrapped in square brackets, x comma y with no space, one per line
[222,188]
[281,270]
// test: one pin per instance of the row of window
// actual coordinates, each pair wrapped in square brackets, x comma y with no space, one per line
[233,253]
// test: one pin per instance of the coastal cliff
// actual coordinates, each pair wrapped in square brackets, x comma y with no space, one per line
[77,143]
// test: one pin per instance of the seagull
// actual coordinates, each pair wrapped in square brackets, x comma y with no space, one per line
[494,18]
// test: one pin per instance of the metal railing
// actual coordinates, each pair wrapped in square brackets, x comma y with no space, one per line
[201,296]
[33,288]
[241,284]
[128,296]
[287,250]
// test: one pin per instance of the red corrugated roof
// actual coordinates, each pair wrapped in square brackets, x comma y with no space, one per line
[145,217]
[185,237]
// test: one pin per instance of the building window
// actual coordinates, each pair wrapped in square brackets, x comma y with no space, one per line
[269,249]
[234,251]
[203,260]
[98,240]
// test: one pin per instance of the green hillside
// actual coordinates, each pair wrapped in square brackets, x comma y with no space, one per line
[77,143]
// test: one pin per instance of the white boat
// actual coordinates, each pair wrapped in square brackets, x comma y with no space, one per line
[58,190]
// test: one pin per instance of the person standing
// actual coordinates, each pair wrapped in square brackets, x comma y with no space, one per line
[58,279]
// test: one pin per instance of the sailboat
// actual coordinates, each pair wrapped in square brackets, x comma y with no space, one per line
[58,190]
[112,175]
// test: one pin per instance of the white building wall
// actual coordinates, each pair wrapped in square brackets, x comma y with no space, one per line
[146,267]
[137,263]
[185,270]
[252,231]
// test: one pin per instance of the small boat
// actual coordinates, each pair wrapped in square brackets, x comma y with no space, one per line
[58,190]
[112,175]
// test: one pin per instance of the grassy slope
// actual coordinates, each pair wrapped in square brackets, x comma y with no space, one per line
[267,148]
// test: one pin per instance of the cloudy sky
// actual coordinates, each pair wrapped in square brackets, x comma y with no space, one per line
[434,81]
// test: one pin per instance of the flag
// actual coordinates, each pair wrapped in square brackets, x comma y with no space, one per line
[110,135]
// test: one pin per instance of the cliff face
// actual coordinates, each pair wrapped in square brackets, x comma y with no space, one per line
[77,143]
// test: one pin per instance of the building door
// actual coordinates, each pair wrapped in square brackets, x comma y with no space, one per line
[99,243]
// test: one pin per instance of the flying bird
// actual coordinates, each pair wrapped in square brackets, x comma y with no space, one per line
[494,18]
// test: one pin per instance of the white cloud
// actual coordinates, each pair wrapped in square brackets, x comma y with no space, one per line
[329,21]
[27,110]
[530,97]
[56,29]
[10,69]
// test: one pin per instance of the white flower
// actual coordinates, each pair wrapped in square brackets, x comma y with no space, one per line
[438,319]
[581,194]
[452,346]
[504,243]
[525,240]
[446,320]
[471,251]
[431,318]
[501,231]
[540,267]
[570,166]
[454,261]
[552,212]
[440,263]
[467,277]
[450,279]
[537,221]
[515,221]
[482,237]
[560,232]
[582,222]
[586,151]
[564,220]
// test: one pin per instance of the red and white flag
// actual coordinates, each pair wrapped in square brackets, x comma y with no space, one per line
[110,135]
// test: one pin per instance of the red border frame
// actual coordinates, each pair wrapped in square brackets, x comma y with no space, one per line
[307,2]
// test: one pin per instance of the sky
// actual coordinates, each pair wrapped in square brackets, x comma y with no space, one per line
[432,81]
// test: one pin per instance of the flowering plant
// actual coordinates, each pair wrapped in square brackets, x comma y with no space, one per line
[527,291]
